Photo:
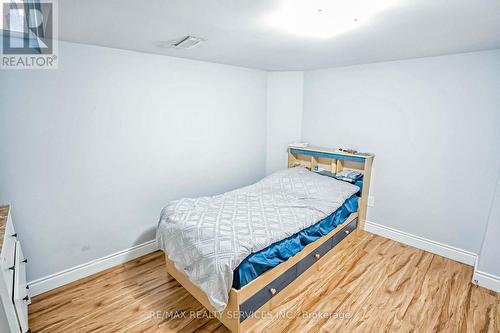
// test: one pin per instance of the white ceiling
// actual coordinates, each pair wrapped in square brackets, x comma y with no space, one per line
[238,32]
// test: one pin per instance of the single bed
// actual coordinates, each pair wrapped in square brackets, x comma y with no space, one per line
[242,251]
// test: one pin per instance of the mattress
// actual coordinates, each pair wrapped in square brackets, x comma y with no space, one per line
[208,237]
[258,263]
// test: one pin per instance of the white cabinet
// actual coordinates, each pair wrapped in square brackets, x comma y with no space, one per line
[7,255]
[13,288]
[21,297]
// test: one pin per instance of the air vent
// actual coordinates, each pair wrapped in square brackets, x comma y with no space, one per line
[187,42]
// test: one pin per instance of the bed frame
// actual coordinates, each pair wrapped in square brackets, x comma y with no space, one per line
[270,288]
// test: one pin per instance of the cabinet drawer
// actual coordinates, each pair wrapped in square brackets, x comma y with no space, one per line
[21,296]
[7,256]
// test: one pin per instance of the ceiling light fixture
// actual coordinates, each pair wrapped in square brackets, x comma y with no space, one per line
[324,18]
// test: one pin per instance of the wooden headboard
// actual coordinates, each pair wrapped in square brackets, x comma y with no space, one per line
[335,161]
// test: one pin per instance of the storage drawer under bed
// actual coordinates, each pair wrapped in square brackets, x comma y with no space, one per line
[314,256]
[339,236]
[265,294]
[281,282]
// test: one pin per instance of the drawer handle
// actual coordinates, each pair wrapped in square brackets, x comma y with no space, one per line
[26,298]
[12,268]
[25,261]
[14,235]
[317,256]
[347,232]
[272,291]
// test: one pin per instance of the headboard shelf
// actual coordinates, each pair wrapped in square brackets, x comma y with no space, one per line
[329,153]
[334,161]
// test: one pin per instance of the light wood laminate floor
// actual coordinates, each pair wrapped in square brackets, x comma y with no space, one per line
[371,284]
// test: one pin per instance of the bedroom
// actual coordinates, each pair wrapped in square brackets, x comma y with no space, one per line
[129,108]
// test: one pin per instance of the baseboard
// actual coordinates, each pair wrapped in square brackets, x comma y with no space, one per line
[66,276]
[428,245]
[486,280]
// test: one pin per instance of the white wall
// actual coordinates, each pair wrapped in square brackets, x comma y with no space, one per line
[91,152]
[284,116]
[488,265]
[434,125]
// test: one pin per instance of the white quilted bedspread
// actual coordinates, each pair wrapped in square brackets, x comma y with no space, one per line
[208,237]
